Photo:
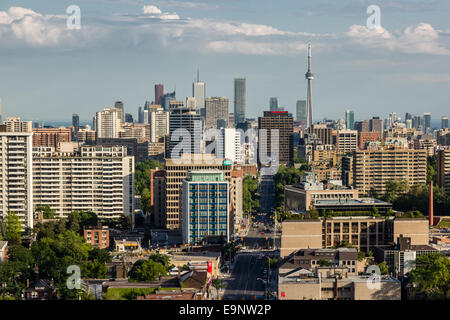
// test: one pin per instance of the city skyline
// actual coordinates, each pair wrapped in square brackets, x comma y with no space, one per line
[61,71]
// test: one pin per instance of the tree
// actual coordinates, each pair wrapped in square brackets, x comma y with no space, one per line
[250,194]
[383,267]
[78,220]
[218,284]
[432,169]
[142,174]
[146,201]
[285,176]
[13,228]
[373,193]
[393,189]
[343,244]
[147,270]
[431,276]
[47,211]
[161,259]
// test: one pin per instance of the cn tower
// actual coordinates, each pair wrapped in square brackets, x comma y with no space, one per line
[309,76]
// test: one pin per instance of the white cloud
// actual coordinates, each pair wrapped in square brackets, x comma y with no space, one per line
[257,48]
[421,39]
[30,27]
[151,10]
[155,12]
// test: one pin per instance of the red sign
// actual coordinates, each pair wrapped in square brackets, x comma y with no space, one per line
[209,267]
[283,294]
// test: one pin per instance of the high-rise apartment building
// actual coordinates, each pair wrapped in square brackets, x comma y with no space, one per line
[14,124]
[230,143]
[239,101]
[366,137]
[159,94]
[301,112]
[96,178]
[107,123]
[284,123]
[347,140]
[51,137]
[216,109]
[206,206]
[176,171]
[322,132]
[349,119]
[16,179]
[443,170]
[158,120]
[372,168]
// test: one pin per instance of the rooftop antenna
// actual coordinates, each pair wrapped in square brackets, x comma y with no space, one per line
[198,75]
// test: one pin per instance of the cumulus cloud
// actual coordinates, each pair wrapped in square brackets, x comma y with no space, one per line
[31,27]
[155,12]
[151,10]
[422,38]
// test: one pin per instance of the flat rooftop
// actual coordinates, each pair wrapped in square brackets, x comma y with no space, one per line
[363,278]
[350,202]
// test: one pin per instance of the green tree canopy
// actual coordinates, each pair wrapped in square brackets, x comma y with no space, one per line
[13,228]
[147,270]
[431,276]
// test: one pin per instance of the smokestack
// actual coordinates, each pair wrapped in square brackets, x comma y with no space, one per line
[430,208]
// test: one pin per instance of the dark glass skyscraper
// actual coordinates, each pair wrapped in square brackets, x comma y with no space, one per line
[427,122]
[301,112]
[273,104]
[444,122]
[76,123]
[166,100]
[239,100]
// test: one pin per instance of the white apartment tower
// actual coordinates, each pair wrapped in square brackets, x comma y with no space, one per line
[13,124]
[232,148]
[158,119]
[107,123]
[16,179]
[96,178]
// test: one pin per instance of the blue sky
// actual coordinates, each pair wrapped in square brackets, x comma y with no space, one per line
[124,47]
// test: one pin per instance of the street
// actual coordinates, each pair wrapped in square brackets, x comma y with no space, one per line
[249,277]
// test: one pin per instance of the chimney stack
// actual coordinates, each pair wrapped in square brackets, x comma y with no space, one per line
[430,208]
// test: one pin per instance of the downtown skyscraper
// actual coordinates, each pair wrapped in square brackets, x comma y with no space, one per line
[309,76]
[349,119]
[301,112]
[239,101]
[199,93]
